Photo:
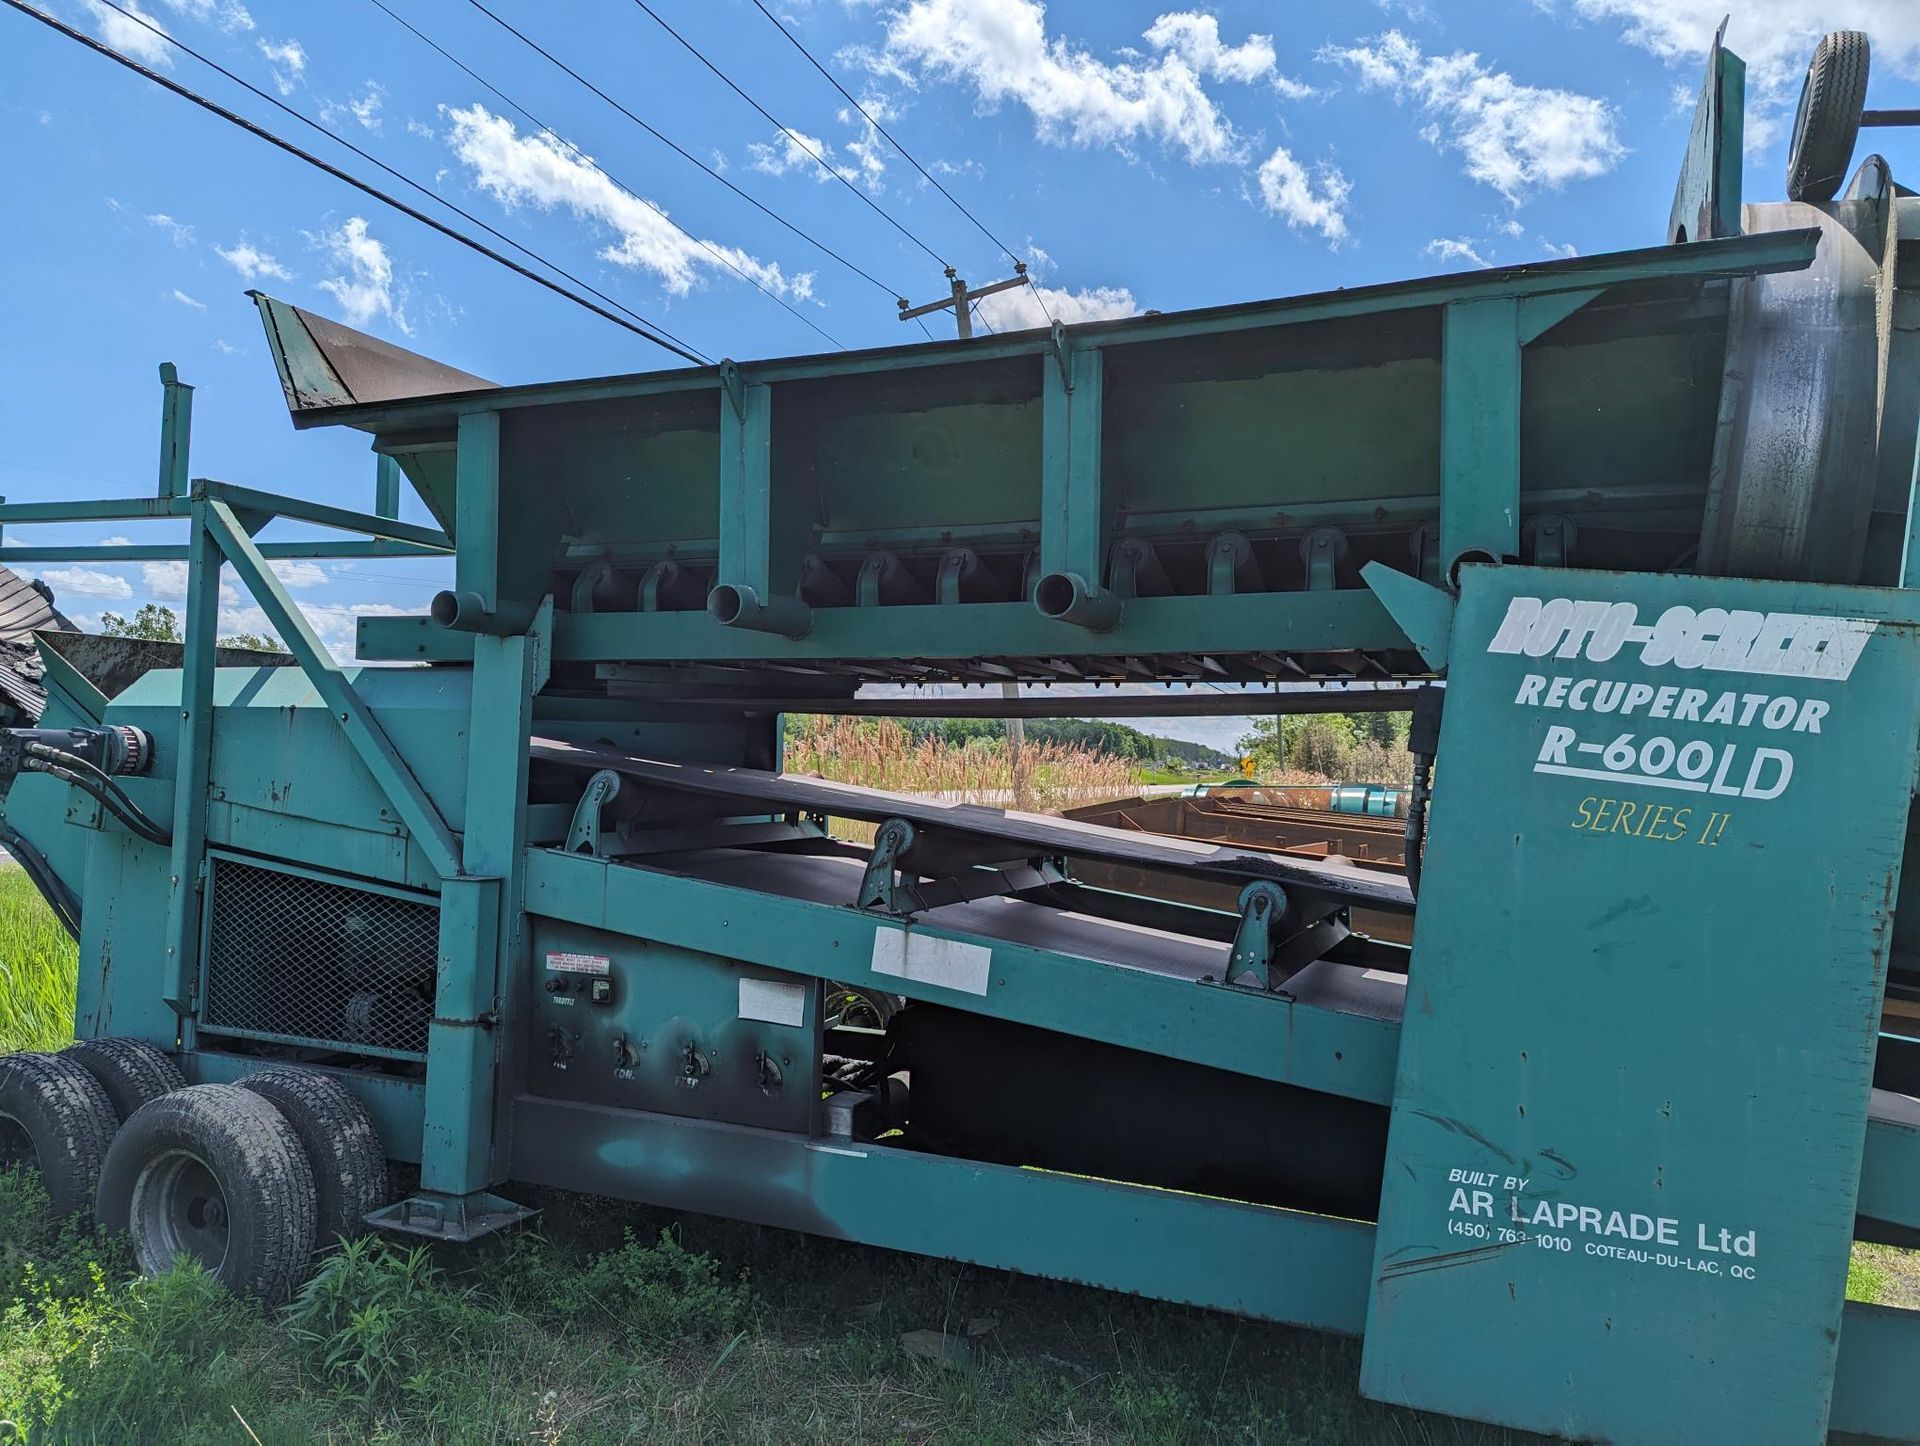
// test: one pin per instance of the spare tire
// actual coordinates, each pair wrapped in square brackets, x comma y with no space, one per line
[1828,121]
[55,1117]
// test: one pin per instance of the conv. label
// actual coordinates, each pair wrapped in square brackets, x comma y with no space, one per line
[579,963]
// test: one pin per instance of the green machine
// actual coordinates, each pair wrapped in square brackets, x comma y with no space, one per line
[527,901]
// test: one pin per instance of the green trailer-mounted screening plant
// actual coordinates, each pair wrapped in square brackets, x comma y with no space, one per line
[1635,536]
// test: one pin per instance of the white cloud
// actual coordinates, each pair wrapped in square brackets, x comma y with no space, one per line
[1775,38]
[297,575]
[185,300]
[364,107]
[87,582]
[225,347]
[791,150]
[1021,310]
[1561,250]
[1516,138]
[167,582]
[334,623]
[229,15]
[364,290]
[145,43]
[178,232]
[1001,48]
[252,263]
[1196,39]
[45,117]
[288,61]
[1289,192]
[422,130]
[540,170]
[1459,248]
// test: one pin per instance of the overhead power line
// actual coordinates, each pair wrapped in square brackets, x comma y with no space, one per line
[674,146]
[1018,260]
[585,159]
[652,333]
[312,124]
[820,161]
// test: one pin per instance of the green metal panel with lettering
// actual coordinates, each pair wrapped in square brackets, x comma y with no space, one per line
[1648,965]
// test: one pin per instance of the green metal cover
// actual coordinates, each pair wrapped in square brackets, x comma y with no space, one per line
[1640,1028]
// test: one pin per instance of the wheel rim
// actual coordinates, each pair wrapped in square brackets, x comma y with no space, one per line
[16,1145]
[178,1209]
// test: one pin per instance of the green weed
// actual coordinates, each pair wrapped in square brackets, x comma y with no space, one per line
[37,969]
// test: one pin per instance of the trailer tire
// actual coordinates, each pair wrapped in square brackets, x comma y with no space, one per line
[55,1116]
[131,1071]
[349,1163]
[217,1173]
[1828,121]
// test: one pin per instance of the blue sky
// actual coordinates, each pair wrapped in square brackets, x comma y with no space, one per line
[1137,154]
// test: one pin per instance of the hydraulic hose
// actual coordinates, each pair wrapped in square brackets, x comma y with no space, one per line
[104,791]
[61,899]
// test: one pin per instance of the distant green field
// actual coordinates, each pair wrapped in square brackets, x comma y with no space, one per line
[609,1323]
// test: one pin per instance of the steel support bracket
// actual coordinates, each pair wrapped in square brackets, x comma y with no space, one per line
[735,385]
[1262,906]
[585,833]
[1062,347]
[881,887]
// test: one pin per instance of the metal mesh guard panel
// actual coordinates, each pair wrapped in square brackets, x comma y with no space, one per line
[307,960]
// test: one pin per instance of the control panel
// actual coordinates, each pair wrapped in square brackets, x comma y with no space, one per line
[641,1025]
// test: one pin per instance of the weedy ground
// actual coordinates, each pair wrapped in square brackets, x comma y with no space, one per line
[607,1323]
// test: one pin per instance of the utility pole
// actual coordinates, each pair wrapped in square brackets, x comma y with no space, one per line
[962,301]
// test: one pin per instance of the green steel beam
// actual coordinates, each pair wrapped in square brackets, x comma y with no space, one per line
[477,466]
[1734,256]
[1267,1036]
[362,728]
[386,487]
[316,548]
[1253,1260]
[247,499]
[176,431]
[191,762]
[761,529]
[96,509]
[457,1109]
[1073,530]
[1242,623]
[1873,1392]
[1480,430]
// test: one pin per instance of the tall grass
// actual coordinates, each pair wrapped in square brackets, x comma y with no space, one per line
[37,965]
[879,753]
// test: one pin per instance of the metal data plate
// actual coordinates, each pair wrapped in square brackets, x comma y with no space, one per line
[1640,1024]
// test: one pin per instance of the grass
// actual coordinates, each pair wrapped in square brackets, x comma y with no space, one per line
[610,1323]
[37,964]
[879,753]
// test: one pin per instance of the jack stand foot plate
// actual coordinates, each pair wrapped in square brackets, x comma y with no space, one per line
[450,1217]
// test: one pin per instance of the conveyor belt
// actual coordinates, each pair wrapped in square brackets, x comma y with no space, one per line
[1326,985]
[1037,833]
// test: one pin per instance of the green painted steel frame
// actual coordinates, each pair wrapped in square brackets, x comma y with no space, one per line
[1249,1032]
[1488,321]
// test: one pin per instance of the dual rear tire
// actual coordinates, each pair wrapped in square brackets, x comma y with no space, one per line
[248,1179]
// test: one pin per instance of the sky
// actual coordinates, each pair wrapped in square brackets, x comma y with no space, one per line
[1135,155]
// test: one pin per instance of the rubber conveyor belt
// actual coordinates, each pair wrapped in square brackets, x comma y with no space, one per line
[1034,834]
